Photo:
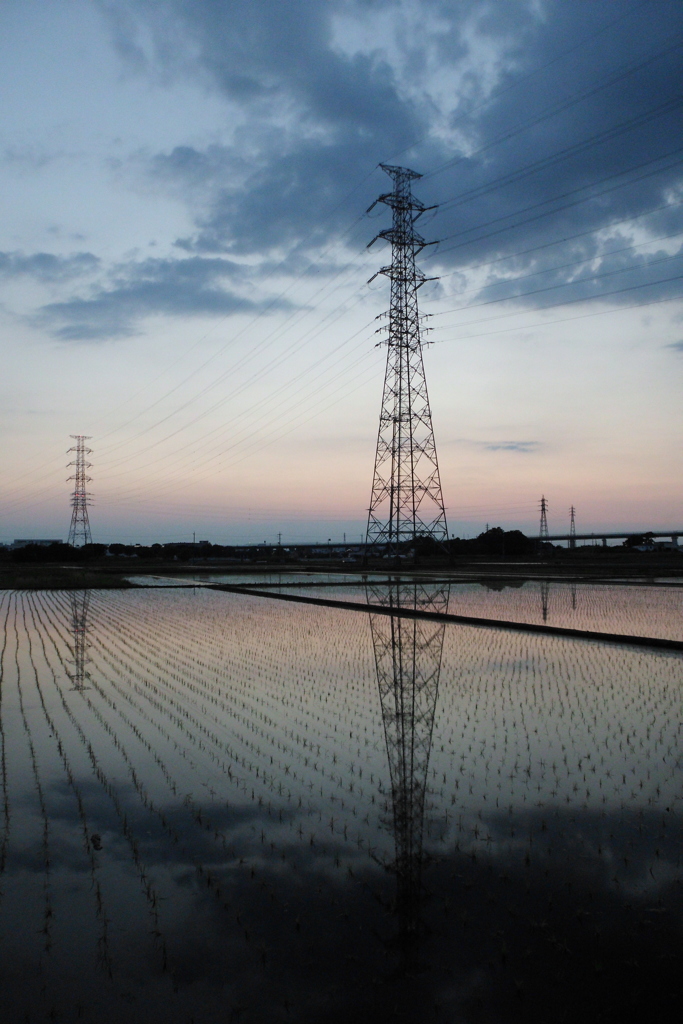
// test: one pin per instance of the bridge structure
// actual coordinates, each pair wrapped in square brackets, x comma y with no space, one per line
[624,535]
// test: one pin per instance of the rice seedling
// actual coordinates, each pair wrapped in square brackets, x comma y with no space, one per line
[230,754]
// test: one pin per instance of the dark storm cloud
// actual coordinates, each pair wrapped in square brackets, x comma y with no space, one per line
[190,287]
[582,130]
[317,119]
[44,266]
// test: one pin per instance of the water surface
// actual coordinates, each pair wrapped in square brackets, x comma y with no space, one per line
[221,807]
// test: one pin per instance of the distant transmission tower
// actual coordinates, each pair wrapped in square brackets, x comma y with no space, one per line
[79,531]
[406,501]
[543,532]
[572,527]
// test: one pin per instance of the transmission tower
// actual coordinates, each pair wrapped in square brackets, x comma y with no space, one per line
[572,527]
[543,532]
[79,531]
[80,605]
[406,501]
[408,662]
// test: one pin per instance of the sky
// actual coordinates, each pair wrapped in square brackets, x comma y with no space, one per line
[184,260]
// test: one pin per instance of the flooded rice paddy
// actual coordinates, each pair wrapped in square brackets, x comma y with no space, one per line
[626,609]
[217,807]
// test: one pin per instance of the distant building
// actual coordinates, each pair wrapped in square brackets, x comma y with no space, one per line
[41,543]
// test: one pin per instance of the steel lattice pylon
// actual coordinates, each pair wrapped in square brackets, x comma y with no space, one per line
[407,502]
[572,527]
[543,527]
[81,498]
[408,661]
[80,605]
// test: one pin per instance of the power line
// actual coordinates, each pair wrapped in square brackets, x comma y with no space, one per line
[554,111]
[567,302]
[564,284]
[560,209]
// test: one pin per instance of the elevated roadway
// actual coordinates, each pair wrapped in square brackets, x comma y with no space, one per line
[624,535]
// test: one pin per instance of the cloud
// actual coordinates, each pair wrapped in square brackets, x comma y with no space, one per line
[676,345]
[189,287]
[526,447]
[542,128]
[511,446]
[45,266]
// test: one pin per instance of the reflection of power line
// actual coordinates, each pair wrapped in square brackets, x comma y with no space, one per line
[80,605]
[408,661]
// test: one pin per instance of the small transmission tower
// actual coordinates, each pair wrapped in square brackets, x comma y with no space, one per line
[406,501]
[543,531]
[572,527]
[79,531]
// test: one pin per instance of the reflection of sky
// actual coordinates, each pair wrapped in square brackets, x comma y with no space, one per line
[655,611]
[230,754]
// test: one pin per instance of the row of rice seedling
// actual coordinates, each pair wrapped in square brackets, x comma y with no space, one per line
[609,608]
[5,606]
[240,712]
[561,729]
[240,748]
[309,840]
[516,726]
[46,929]
[627,609]
[67,733]
[90,837]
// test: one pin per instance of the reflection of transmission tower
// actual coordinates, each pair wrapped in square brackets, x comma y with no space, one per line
[545,592]
[408,661]
[572,527]
[80,499]
[80,604]
[406,501]
[543,531]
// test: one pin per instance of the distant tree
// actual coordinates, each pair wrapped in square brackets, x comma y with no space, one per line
[639,540]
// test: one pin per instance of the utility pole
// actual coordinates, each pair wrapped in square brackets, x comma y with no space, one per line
[80,499]
[572,527]
[407,502]
[543,531]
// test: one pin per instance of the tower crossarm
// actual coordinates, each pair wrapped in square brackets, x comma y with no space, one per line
[407,501]
[79,530]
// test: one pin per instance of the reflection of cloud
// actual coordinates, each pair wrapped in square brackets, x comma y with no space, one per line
[677,345]
[532,920]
